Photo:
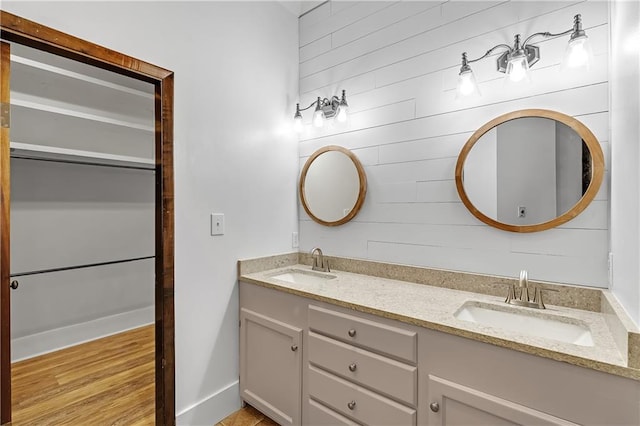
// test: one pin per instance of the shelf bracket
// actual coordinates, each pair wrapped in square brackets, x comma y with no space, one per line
[5,115]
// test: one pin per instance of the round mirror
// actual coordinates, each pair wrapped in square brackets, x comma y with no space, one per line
[529,170]
[332,186]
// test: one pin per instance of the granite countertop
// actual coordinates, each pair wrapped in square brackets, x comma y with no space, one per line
[434,307]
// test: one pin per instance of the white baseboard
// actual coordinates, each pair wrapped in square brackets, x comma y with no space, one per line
[213,408]
[60,338]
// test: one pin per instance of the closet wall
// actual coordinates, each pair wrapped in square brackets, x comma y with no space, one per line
[82,193]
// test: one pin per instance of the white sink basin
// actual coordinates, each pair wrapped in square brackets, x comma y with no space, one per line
[526,321]
[300,276]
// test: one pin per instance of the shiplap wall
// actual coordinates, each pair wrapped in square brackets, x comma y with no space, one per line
[398,62]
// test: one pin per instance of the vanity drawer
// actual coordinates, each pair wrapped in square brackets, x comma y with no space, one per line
[373,335]
[357,402]
[393,378]
[318,414]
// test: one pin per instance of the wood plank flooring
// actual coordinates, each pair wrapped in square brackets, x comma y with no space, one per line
[247,416]
[110,381]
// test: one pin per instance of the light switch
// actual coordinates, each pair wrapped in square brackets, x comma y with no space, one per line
[217,223]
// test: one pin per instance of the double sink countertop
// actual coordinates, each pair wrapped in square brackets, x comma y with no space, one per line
[616,340]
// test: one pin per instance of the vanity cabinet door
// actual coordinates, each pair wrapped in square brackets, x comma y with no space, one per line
[271,366]
[452,404]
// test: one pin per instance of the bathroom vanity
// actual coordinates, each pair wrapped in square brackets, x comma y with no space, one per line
[348,348]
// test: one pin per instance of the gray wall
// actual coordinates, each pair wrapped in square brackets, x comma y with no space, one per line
[527,170]
[65,215]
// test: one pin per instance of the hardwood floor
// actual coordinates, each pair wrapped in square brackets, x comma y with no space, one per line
[247,416]
[110,381]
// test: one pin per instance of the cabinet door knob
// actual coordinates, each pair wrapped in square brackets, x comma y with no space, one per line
[14,284]
[353,367]
[352,333]
[294,348]
[351,405]
[435,407]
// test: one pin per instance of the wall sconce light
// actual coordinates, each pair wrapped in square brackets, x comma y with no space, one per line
[517,60]
[325,108]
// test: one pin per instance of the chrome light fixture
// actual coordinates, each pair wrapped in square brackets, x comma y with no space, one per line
[335,107]
[518,59]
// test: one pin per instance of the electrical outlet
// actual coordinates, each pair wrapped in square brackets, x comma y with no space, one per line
[217,223]
[295,243]
[522,211]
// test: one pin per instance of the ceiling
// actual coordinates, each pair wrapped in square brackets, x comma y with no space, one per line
[300,7]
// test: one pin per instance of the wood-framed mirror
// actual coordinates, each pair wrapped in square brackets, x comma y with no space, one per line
[529,170]
[333,186]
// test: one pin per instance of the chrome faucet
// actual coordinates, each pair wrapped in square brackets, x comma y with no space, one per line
[319,263]
[523,284]
[523,298]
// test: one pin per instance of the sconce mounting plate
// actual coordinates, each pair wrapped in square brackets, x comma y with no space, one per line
[329,110]
[532,52]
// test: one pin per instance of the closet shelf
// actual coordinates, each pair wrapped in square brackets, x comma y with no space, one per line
[53,109]
[45,69]
[44,152]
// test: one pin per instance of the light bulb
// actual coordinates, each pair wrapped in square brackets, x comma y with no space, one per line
[318,118]
[578,54]
[467,85]
[518,68]
[343,107]
[342,114]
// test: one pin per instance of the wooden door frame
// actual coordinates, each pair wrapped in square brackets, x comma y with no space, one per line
[22,31]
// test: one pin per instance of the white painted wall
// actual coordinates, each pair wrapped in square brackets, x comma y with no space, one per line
[399,62]
[236,83]
[625,153]
[481,174]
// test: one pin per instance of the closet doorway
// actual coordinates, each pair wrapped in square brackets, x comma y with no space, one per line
[126,161]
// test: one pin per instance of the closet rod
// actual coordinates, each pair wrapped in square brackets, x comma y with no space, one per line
[68,268]
[85,163]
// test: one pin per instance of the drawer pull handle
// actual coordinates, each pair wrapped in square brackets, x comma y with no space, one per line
[352,405]
[353,367]
[294,348]
[435,407]
[352,333]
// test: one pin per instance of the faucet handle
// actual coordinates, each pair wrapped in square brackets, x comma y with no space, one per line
[537,296]
[511,295]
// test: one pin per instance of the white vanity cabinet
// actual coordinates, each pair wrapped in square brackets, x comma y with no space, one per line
[271,351]
[272,365]
[457,405]
[358,368]
[475,383]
